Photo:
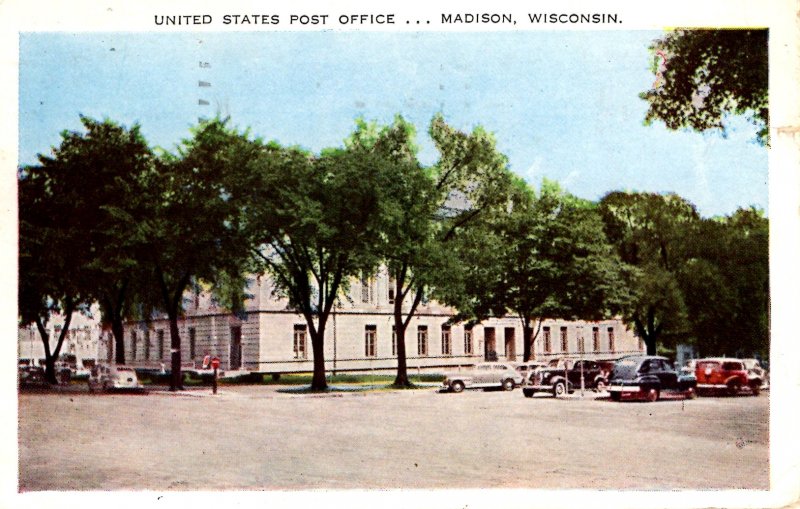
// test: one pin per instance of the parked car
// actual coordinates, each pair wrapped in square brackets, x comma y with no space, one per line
[647,377]
[723,374]
[486,375]
[562,376]
[525,368]
[111,377]
[756,372]
[32,376]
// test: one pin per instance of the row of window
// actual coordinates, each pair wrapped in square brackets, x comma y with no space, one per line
[596,346]
[159,344]
[371,341]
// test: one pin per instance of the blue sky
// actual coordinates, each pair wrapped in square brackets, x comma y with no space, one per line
[562,105]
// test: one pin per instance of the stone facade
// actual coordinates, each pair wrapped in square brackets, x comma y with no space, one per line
[270,338]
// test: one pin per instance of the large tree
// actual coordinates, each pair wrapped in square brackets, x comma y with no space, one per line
[725,284]
[110,164]
[703,76]
[424,210]
[649,231]
[312,223]
[193,233]
[52,252]
[545,256]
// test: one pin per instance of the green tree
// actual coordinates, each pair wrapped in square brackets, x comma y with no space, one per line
[112,164]
[545,256]
[193,234]
[649,231]
[725,283]
[702,76]
[52,253]
[423,210]
[312,223]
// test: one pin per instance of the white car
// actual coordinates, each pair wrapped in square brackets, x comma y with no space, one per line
[483,376]
[756,372]
[111,377]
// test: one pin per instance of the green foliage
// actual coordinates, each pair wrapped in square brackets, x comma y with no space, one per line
[544,256]
[709,74]
[703,281]
[76,208]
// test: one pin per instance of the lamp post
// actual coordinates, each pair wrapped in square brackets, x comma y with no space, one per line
[580,343]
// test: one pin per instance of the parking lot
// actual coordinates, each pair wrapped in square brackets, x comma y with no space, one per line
[257,438]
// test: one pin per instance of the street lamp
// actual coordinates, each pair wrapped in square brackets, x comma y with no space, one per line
[580,343]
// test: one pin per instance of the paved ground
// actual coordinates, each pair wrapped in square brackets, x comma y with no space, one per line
[256,438]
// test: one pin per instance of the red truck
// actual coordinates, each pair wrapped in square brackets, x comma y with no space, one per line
[724,375]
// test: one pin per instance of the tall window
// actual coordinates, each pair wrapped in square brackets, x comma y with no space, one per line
[161,344]
[192,342]
[370,333]
[366,289]
[147,345]
[611,345]
[548,345]
[468,340]
[133,345]
[447,348]
[394,340]
[300,342]
[564,340]
[641,345]
[422,340]
[596,339]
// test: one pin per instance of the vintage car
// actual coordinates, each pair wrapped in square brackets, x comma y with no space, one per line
[525,368]
[647,377]
[31,376]
[756,372]
[726,375]
[564,375]
[486,375]
[106,377]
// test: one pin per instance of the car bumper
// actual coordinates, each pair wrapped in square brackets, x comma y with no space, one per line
[539,387]
[624,389]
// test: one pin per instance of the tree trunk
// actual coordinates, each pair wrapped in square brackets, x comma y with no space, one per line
[118,331]
[176,378]
[318,382]
[527,341]
[648,334]
[50,370]
[401,380]
[50,358]
[650,342]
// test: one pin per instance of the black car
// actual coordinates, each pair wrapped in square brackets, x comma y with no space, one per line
[563,376]
[32,376]
[647,377]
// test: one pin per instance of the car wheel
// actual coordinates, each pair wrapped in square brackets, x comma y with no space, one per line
[616,396]
[600,386]
[457,387]
[508,384]
[756,388]
[559,389]
[691,393]
[734,388]
[652,395]
[528,393]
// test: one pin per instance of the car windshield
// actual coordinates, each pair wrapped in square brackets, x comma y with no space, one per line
[625,368]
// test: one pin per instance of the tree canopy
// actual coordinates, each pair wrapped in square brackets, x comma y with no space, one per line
[544,256]
[703,76]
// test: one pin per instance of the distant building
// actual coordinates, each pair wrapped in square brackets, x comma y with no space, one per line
[270,338]
[81,341]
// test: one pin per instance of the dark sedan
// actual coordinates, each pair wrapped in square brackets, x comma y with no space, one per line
[647,377]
